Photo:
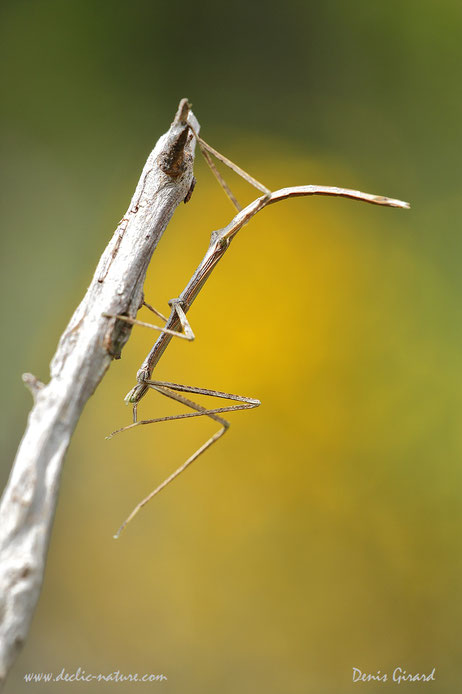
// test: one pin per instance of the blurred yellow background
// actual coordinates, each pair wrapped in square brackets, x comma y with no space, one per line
[323,531]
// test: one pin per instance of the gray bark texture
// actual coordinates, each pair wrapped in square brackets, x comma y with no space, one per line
[85,351]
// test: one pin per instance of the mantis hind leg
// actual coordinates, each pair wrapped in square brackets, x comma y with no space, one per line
[172,390]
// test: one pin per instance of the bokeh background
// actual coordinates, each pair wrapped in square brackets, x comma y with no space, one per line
[323,532]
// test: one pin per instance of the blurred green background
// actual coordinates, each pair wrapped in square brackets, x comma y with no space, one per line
[323,532]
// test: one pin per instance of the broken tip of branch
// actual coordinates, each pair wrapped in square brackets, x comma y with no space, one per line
[173,160]
[182,113]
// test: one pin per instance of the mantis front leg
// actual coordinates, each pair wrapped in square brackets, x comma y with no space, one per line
[187,333]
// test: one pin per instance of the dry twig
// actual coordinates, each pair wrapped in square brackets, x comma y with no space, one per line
[85,351]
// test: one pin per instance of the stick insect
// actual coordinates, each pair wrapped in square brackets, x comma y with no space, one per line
[177,324]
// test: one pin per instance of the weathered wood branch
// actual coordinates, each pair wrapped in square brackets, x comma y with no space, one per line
[84,353]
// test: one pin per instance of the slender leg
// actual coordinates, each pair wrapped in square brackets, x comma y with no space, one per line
[207,150]
[220,178]
[237,169]
[162,387]
[168,389]
[187,330]
[187,333]
[154,310]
